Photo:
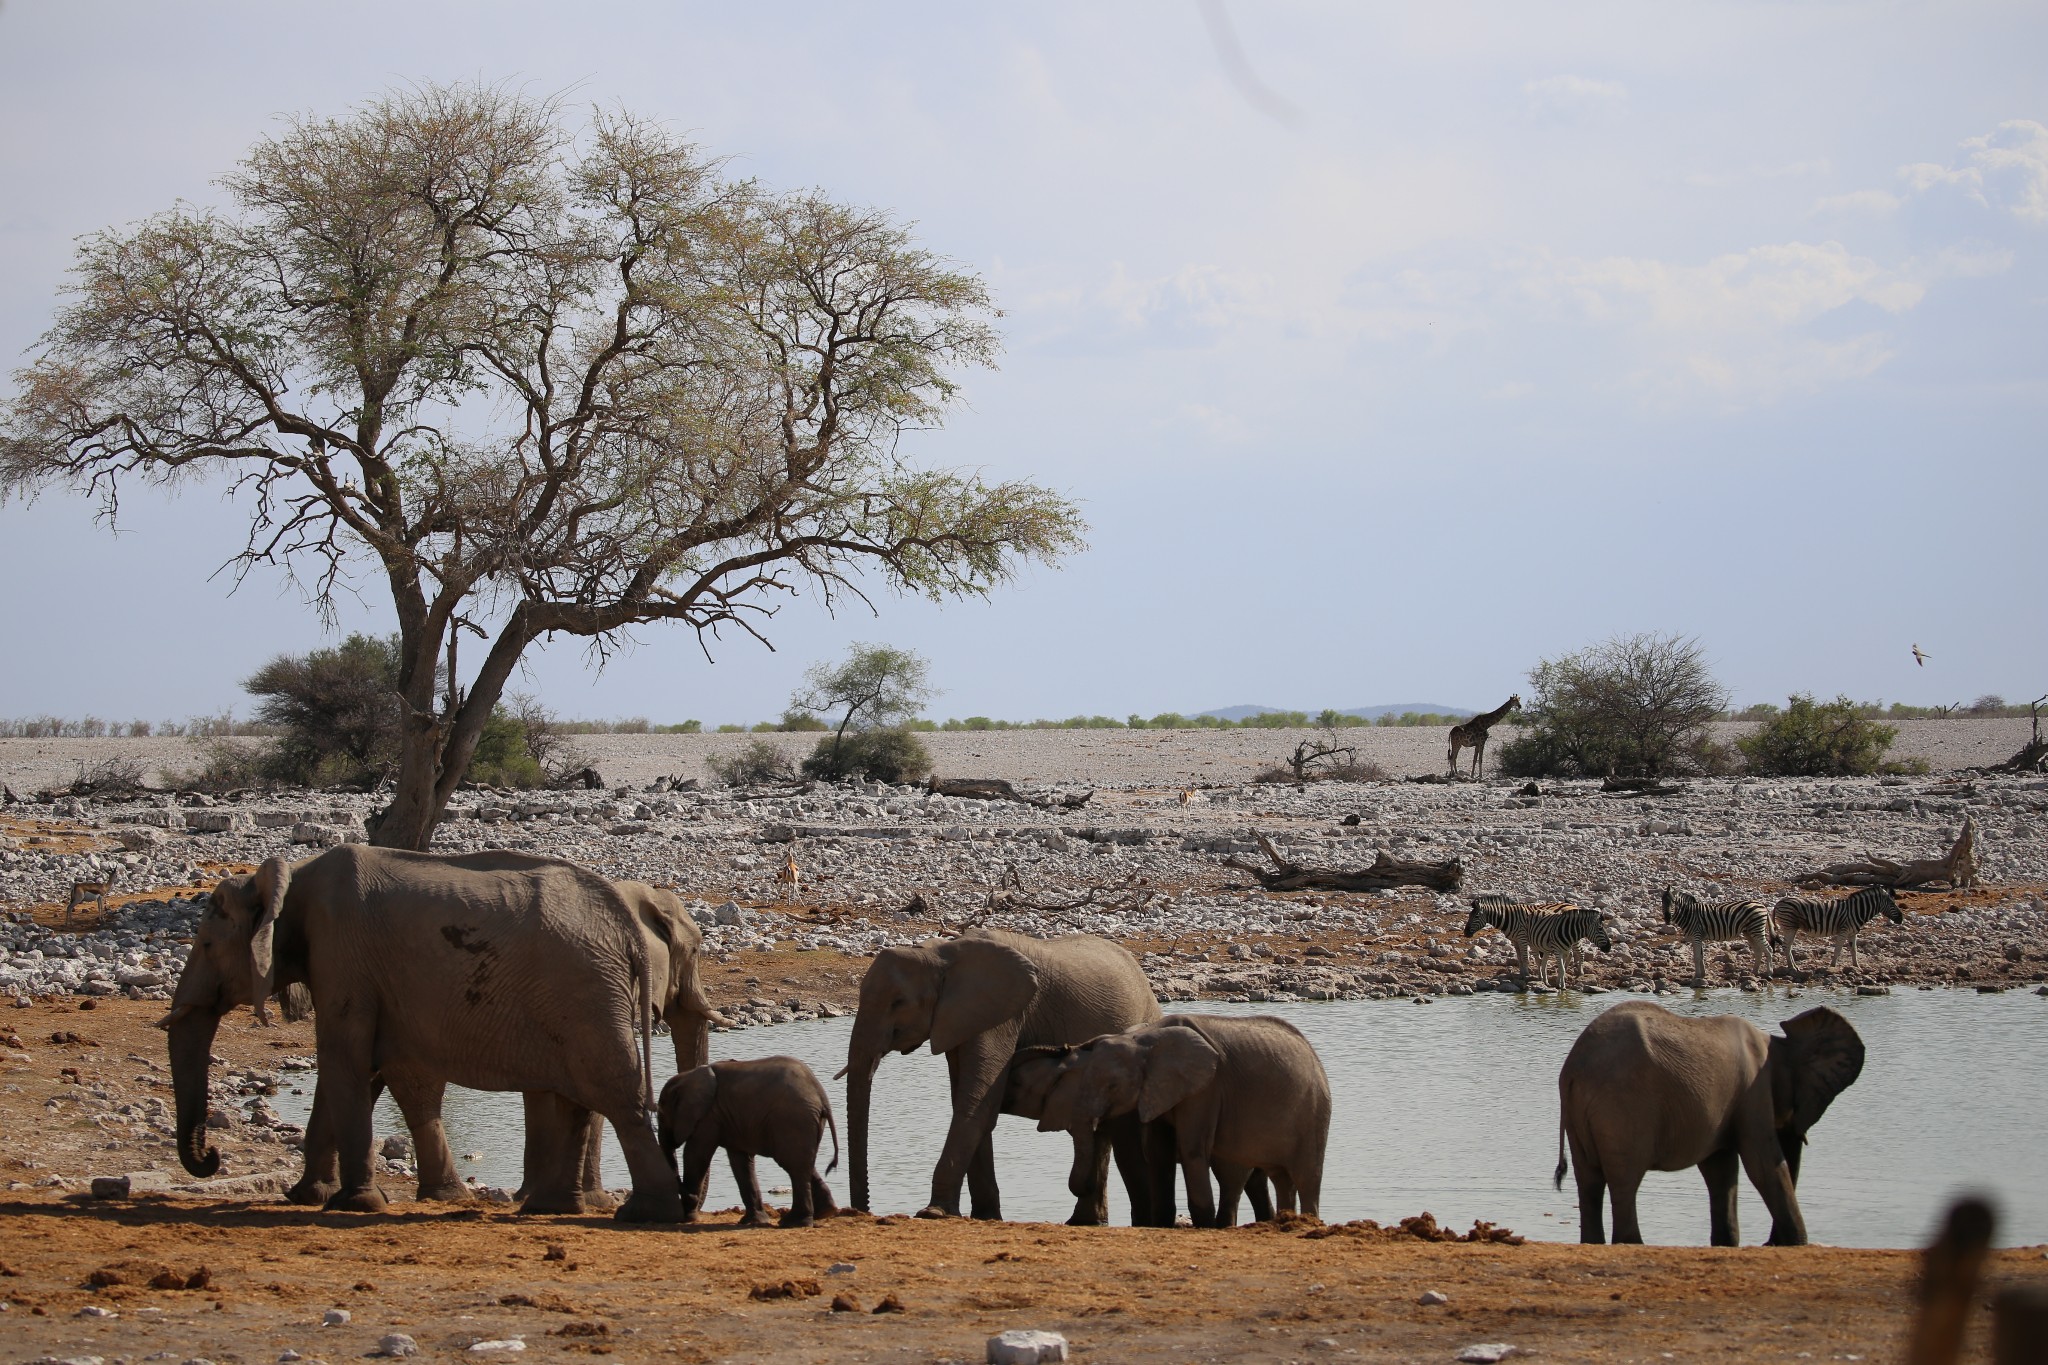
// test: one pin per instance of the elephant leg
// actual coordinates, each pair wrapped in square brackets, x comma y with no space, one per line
[656,1197]
[1090,1187]
[1622,1187]
[1699,962]
[697,1154]
[1720,1171]
[433,1162]
[556,1129]
[822,1203]
[1791,962]
[1158,1146]
[1230,1178]
[1286,1194]
[750,1188]
[596,1197]
[1767,1170]
[1258,1192]
[984,1199]
[1194,1169]
[1127,1147]
[803,1182]
[322,1174]
[348,1081]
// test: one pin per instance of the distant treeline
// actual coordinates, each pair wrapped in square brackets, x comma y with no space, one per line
[222,726]
[226,725]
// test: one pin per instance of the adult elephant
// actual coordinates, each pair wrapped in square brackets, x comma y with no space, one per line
[563,1164]
[977,999]
[1644,1089]
[494,971]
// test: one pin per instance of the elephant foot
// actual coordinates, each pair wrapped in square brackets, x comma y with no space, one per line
[937,1211]
[553,1203]
[1087,1218]
[642,1206]
[754,1218]
[600,1201]
[311,1191]
[790,1220]
[369,1200]
[448,1192]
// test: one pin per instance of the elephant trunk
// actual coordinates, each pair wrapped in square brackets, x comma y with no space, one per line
[862,1057]
[191,1045]
[1081,1177]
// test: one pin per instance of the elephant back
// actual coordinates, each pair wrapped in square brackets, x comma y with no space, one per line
[1088,986]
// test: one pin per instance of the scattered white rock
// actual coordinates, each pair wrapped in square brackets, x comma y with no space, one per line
[1486,1352]
[1022,1347]
[1431,1298]
[335,1317]
[840,1268]
[490,1347]
[397,1344]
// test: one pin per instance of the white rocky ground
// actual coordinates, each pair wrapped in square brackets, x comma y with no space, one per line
[883,865]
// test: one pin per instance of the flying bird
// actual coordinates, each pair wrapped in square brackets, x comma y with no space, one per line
[1919,658]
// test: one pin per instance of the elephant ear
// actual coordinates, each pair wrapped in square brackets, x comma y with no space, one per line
[1033,1070]
[273,879]
[1827,1057]
[1178,1062]
[685,1100]
[986,984]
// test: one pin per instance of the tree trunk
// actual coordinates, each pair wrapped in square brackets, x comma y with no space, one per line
[436,749]
[1384,874]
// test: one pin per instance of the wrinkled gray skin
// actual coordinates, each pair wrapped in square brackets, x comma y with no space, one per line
[494,971]
[1644,1089]
[977,999]
[1243,1093]
[773,1107]
[563,1169]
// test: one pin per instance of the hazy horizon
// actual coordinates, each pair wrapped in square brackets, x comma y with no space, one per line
[1469,335]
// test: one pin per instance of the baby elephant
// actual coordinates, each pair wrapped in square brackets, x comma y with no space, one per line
[1244,1093]
[773,1107]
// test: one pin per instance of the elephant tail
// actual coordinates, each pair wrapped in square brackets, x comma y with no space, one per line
[1557,1176]
[833,1124]
[646,1023]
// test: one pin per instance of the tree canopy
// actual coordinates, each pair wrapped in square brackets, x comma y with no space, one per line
[1632,705]
[540,380]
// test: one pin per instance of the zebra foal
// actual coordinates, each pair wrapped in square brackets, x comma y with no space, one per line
[1723,922]
[1840,919]
[1549,928]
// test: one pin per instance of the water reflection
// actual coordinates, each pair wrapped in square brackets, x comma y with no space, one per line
[1452,1107]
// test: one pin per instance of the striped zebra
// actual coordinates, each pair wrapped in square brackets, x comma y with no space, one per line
[1840,919]
[1744,917]
[1550,928]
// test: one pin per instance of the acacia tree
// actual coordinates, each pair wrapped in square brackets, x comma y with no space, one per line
[876,686]
[1632,705]
[540,381]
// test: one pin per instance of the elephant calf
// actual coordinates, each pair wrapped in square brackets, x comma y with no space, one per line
[1644,1089]
[773,1107]
[1243,1094]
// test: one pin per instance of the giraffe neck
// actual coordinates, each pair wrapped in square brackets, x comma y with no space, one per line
[1485,721]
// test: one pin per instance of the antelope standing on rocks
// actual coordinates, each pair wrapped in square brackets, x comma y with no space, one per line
[1472,734]
[788,875]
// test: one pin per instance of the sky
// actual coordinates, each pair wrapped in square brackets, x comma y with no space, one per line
[1387,349]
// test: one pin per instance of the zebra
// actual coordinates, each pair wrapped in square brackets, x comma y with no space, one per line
[1840,919]
[1551,928]
[1744,917]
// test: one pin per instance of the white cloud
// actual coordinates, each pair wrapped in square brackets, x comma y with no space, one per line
[1736,329]
[2006,168]
[1859,203]
[1570,94]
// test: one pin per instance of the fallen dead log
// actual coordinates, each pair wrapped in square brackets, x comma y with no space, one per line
[1641,786]
[1384,874]
[802,787]
[1957,867]
[996,789]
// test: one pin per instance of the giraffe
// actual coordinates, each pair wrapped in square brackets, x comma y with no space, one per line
[1472,734]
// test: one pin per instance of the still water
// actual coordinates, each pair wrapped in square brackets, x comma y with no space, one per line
[1452,1107]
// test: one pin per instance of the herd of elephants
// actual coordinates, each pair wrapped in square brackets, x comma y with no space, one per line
[507,971]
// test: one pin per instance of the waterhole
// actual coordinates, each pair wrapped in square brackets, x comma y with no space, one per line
[1452,1107]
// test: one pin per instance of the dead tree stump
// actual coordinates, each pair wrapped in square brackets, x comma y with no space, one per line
[1385,873]
[1957,867]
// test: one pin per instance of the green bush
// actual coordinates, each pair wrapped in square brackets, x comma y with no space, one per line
[503,757]
[1631,706]
[1822,739]
[886,754]
[753,763]
[337,711]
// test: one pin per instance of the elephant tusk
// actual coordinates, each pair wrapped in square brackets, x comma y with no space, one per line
[176,1013]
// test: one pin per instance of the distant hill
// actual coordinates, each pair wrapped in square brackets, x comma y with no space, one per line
[1236,713]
